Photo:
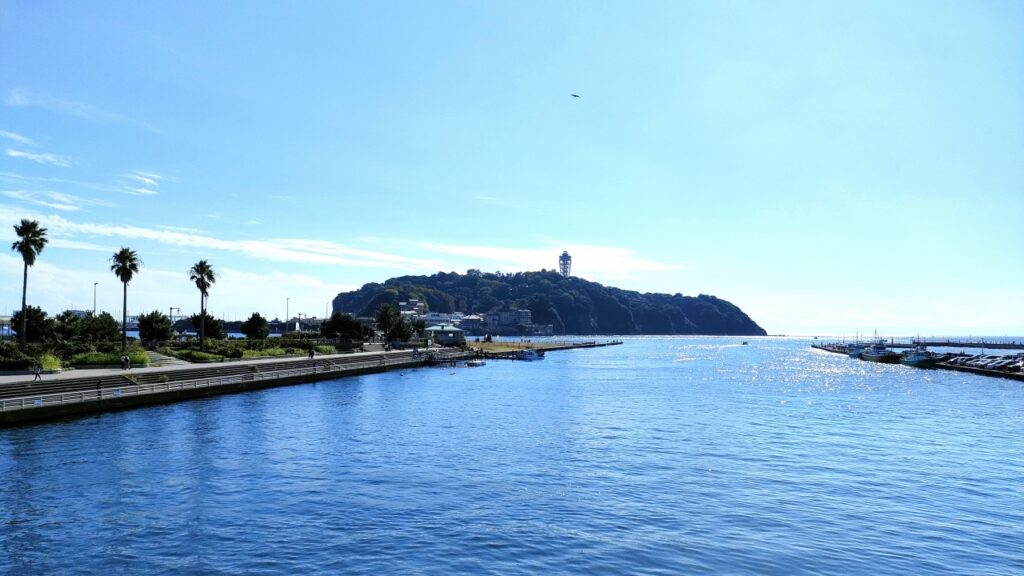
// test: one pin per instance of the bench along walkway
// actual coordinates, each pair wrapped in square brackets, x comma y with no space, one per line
[74,393]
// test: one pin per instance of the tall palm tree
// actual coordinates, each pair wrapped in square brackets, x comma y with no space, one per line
[125,264]
[31,241]
[202,274]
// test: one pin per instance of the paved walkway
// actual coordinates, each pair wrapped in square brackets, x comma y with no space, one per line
[101,372]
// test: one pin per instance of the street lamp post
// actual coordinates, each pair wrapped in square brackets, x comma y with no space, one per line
[287,303]
[94,285]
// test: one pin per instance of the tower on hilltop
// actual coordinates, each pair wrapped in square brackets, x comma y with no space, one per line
[565,263]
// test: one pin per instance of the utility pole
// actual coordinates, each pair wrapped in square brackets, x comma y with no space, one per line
[94,285]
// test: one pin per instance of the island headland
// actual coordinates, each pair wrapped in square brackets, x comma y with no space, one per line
[546,303]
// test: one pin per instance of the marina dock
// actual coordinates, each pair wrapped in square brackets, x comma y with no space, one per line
[944,361]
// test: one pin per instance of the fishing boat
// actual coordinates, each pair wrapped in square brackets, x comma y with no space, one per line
[854,349]
[878,352]
[919,357]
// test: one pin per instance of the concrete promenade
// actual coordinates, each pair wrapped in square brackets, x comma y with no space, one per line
[80,373]
[95,390]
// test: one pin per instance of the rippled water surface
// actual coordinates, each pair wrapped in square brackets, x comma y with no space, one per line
[661,456]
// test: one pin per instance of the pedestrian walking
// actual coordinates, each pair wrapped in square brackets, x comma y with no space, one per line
[37,369]
[99,389]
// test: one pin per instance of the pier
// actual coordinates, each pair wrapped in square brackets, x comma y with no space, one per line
[983,344]
[943,363]
[510,350]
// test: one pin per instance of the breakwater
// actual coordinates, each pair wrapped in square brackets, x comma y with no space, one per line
[71,394]
[512,350]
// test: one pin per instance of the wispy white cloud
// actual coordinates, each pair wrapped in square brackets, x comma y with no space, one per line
[274,249]
[23,97]
[54,200]
[235,295]
[40,158]
[76,245]
[14,136]
[604,261]
[142,183]
[182,229]
[596,262]
[150,179]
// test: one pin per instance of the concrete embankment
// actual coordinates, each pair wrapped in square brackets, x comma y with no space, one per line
[72,393]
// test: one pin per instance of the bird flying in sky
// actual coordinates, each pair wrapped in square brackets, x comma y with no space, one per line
[574,95]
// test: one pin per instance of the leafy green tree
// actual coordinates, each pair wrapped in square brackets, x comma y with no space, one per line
[67,326]
[203,276]
[32,326]
[400,331]
[155,327]
[256,327]
[101,328]
[214,327]
[387,317]
[420,327]
[343,326]
[125,264]
[31,241]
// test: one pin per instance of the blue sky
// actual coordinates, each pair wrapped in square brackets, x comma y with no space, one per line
[828,167]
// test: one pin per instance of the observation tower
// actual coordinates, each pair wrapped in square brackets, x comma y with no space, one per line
[564,263]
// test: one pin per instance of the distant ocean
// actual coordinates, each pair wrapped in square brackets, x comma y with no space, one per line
[661,456]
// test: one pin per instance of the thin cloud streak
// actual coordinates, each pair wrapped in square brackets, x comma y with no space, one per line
[142,183]
[22,97]
[40,158]
[24,141]
[274,249]
[54,200]
[608,261]
[75,245]
[235,296]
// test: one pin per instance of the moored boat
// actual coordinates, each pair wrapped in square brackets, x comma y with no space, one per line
[854,349]
[475,363]
[878,352]
[919,357]
[529,354]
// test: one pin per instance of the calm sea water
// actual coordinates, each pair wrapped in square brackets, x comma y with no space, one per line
[661,456]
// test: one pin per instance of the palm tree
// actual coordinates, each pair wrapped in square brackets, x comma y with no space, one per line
[125,264]
[202,274]
[31,241]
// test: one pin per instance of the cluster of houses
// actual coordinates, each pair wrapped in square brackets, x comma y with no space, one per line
[453,328]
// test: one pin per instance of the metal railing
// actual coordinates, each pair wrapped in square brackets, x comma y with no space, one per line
[61,398]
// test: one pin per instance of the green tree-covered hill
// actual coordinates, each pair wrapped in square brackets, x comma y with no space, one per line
[571,305]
